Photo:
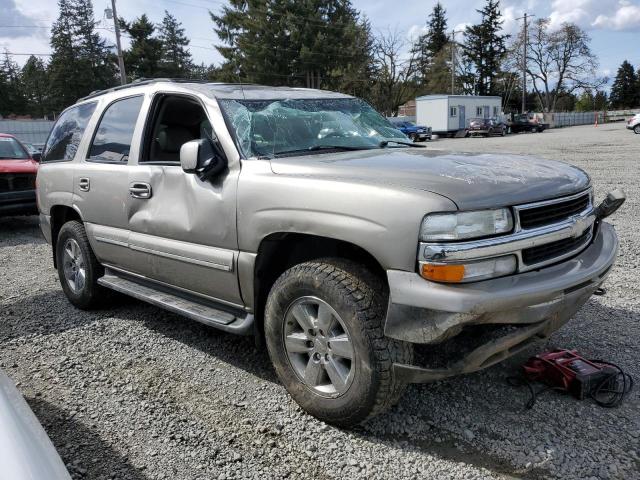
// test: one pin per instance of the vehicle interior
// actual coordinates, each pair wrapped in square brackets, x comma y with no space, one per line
[177,120]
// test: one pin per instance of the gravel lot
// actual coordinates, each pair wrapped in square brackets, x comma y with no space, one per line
[133,392]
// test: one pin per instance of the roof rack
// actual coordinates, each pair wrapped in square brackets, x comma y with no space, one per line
[146,81]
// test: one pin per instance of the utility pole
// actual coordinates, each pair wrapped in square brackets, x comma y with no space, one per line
[453,60]
[123,75]
[525,40]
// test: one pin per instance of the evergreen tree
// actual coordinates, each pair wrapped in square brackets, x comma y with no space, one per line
[624,91]
[35,83]
[312,43]
[81,61]
[175,59]
[485,48]
[143,57]
[430,45]
[12,99]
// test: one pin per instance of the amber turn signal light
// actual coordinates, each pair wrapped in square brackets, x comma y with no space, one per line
[442,273]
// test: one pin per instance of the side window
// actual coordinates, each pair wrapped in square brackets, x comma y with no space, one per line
[479,111]
[67,132]
[112,140]
[175,120]
[453,111]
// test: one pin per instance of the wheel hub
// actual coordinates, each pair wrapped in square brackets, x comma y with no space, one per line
[74,265]
[318,346]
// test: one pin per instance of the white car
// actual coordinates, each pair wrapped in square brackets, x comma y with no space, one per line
[26,453]
[634,123]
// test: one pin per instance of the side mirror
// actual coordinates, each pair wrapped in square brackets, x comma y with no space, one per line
[36,156]
[202,157]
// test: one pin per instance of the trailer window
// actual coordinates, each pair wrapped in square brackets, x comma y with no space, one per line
[453,111]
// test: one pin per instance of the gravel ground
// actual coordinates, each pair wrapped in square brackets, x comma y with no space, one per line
[133,392]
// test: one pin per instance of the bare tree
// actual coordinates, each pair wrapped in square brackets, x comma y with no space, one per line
[395,65]
[559,62]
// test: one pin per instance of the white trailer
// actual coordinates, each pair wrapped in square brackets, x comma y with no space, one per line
[449,113]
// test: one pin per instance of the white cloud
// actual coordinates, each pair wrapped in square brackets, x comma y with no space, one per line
[603,14]
[625,18]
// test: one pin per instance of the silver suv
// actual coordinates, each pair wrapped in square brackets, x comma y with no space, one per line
[303,217]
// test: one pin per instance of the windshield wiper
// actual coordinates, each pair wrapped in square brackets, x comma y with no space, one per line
[384,143]
[315,148]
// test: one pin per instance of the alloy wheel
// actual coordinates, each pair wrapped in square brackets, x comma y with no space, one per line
[74,266]
[319,347]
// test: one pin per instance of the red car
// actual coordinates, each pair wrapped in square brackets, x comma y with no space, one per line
[18,170]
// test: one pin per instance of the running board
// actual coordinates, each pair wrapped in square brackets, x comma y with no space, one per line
[239,323]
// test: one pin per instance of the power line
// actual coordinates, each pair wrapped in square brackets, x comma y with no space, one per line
[29,54]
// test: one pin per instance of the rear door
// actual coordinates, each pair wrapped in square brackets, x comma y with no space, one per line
[183,229]
[101,182]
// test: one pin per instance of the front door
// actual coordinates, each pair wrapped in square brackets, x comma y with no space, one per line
[461,117]
[183,229]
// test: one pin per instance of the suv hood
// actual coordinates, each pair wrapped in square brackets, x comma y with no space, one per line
[469,180]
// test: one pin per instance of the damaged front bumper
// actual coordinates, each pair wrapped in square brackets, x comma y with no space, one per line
[493,319]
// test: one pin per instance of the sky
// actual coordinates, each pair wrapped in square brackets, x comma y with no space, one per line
[614,25]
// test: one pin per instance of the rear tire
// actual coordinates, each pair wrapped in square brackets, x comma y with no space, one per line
[78,268]
[305,357]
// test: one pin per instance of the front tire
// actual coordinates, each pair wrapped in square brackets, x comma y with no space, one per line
[636,129]
[324,329]
[78,268]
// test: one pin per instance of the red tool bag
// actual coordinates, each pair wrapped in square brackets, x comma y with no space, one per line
[567,371]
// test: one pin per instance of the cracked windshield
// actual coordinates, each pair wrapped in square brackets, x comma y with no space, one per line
[271,128]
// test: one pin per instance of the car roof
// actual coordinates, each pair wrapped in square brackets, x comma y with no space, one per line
[233,91]
[7,135]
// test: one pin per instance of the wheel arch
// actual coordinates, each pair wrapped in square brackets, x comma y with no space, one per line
[60,214]
[280,251]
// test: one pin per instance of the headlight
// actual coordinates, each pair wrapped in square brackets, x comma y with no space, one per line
[464,225]
[470,271]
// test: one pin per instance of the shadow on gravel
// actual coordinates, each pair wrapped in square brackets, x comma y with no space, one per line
[20,230]
[75,440]
[238,351]
[43,314]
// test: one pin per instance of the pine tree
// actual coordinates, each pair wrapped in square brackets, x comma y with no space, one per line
[81,61]
[624,91]
[175,59]
[430,45]
[35,83]
[485,48]
[12,100]
[312,43]
[142,59]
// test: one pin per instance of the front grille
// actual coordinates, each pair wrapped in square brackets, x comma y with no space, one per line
[16,182]
[553,212]
[549,251]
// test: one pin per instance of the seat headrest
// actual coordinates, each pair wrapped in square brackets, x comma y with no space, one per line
[172,137]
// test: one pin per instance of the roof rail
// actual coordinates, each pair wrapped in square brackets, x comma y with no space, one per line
[146,81]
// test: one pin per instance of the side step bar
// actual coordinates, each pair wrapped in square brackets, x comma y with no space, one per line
[238,322]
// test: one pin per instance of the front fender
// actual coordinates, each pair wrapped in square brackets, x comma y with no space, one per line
[382,219]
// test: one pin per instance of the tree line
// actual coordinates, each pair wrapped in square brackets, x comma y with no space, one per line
[325,44]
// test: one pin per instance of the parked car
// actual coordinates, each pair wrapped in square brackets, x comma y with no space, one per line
[634,123]
[18,170]
[305,218]
[26,453]
[487,127]
[33,149]
[527,123]
[414,132]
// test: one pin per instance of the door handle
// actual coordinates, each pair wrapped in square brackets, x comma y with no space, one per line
[140,190]
[84,184]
